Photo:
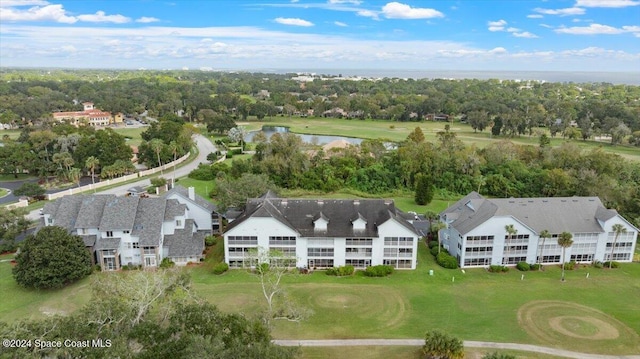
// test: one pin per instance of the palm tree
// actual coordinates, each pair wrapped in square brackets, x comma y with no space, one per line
[157,145]
[511,231]
[173,147]
[91,163]
[565,240]
[618,229]
[544,235]
[74,175]
[435,228]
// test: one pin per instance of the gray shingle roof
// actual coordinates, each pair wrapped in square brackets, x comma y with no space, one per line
[299,215]
[173,209]
[185,242]
[66,211]
[90,213]
[107,243]
[555,214]
[89,240]
[184,193]
[148,221]
[119,213]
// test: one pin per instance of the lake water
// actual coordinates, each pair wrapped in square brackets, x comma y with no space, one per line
[315,139]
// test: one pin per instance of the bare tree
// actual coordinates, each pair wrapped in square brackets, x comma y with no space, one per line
[271,266]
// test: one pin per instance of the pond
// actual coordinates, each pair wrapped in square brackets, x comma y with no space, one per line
[315,139]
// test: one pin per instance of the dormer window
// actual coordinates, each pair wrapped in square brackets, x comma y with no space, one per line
[359,223]
[321,222]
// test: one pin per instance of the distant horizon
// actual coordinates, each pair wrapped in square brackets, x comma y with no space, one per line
[556,76]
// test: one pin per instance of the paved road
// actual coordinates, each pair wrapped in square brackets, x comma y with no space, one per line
[204,147]
[469,344]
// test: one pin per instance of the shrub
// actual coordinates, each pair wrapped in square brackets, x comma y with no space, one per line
[597,264]
[570,265]
[341,271]
[434,250]
[158,181]
[614,264]
[210,241]
[496,268]
[523,266]
[166,263]
[237,151]
[536,266]
[220,268]
[433,244]
[229,154]
[446,260]
[378,271]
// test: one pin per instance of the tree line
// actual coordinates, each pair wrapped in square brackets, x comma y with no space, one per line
[507,108]
[501,169]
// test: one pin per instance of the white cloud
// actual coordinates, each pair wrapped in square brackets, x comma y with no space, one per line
[340,23]
[368,13]
[547,26]
[293,21]
[607,3]
[561,12]
[525,34]
[513,29]
[497,25]
[535,16]
[146,20]
[593,29]
[498,50]
[100,16]
[54,13]
[396,10]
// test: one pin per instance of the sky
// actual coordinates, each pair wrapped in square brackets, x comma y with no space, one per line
[302,35]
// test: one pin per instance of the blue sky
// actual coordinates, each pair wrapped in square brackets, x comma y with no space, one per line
[536,35]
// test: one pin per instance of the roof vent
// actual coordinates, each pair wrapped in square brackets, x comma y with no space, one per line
[320,202]
[284,202]
[356,202]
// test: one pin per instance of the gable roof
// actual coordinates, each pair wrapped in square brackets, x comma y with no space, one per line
[198,200]
[90,213]
[185,242]
[65,211]
[300,214]
[148,221]
[555,214]
[119,213]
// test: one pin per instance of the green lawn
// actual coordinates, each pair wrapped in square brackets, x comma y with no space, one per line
[399,352]
[397,131]
[132,134]
[476,305]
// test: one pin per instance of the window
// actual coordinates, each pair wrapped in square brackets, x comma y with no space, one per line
[284,251]
[398,263]
[359,241]
[357,252]
[320,263]
[320,252]
[126,232]
[178,223]
[358,263]
[109,234]
[395,241]
[135,245]
[283,241]
[149,250]
[248,240]
[470,262]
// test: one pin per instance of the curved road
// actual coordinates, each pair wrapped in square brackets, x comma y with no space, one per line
[469,344]
[204,148]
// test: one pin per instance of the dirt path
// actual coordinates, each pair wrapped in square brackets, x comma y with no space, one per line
[470,344]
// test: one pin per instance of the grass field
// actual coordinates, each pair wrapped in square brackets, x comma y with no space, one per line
[397,131]
[399,352]
[597,314]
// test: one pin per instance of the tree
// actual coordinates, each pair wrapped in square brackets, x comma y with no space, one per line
[565,240]
[157,145]
[544,234]
[52,258]
[435,228]
[91,163]
[29,189]
[270,267]
[424,190]
[439,345]
[237,134]
[12,223]
[511,231]
[618,229]
[233,193]
[416,136]
[618,133]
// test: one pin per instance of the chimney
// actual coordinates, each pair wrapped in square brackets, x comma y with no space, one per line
[192,193]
